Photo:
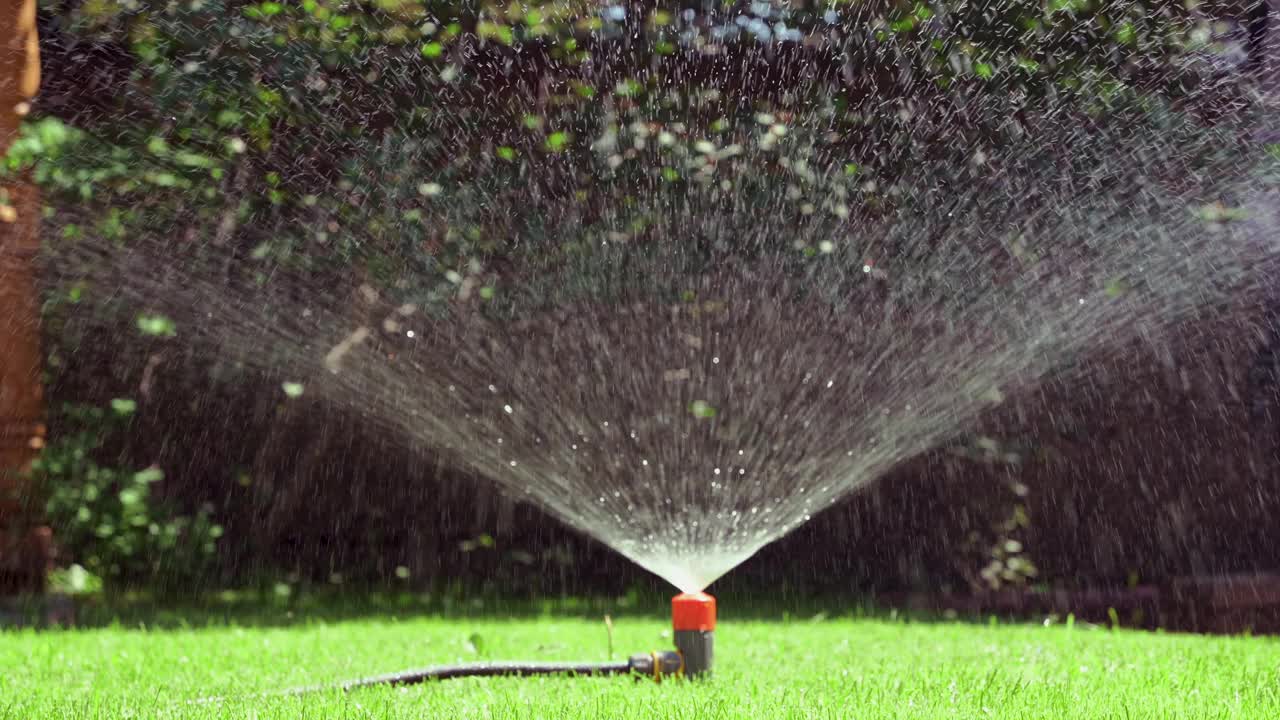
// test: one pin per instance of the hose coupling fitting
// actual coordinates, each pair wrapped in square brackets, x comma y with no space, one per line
[657,664]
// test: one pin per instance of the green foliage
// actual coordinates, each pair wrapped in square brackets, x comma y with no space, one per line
[510,151]
[108,519]
[303,132]
[702,409]
[75,581]
[156,325]
[999,547]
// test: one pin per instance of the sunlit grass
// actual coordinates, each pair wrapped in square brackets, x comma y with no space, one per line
[808,668]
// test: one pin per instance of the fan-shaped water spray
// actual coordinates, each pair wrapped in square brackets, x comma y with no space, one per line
[742,325]
[688,418]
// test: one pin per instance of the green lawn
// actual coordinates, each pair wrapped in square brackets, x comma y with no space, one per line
[807,668]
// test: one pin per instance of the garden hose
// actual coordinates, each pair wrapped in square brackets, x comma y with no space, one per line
[657,665]
[693,620]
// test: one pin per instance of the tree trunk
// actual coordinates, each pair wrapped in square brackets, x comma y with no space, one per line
[24,547]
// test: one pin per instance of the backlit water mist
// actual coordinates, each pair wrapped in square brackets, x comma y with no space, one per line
[694,320]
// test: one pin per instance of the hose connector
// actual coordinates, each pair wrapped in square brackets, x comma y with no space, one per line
[693,618]
[658,664]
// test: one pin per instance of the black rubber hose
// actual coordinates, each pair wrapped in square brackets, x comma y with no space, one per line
[656,665]
[496,669]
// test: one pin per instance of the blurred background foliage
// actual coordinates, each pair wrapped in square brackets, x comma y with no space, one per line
[107,515]
[472,152]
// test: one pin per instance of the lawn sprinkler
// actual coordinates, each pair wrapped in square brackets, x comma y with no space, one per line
[693,621]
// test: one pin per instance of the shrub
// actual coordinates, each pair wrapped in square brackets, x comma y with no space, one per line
[107,518]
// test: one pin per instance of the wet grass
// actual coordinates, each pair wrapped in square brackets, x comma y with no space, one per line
[816,667]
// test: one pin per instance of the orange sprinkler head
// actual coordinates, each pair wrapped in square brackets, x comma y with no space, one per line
[693,616]
[693,611]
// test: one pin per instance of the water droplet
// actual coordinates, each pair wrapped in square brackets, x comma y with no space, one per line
[507,409]
[717,471]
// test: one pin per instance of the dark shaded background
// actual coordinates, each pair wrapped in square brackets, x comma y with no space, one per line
[1152,466]
[1159,465]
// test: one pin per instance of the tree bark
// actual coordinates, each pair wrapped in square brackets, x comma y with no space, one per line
[25,547]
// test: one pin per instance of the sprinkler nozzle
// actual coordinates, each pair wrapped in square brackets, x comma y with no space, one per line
[693,618]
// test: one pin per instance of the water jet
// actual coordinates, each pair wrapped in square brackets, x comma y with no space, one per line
[688,363]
